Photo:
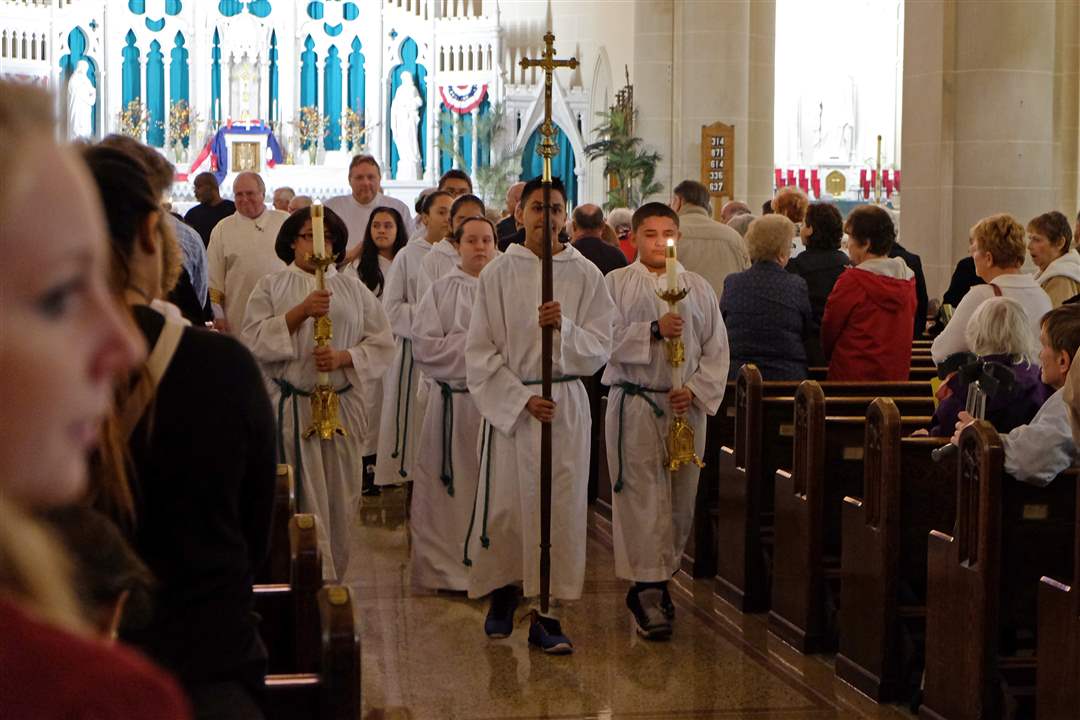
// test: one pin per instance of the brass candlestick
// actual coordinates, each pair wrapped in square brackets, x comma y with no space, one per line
[324,401]
[680,438]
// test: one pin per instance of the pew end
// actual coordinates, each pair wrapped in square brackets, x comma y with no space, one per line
[276,569]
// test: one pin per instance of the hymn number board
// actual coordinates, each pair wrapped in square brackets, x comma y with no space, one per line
[718,163]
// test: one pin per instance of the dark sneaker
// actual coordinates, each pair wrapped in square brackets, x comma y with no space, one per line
[546,633]
[649,618]
[667,606]
[500,617]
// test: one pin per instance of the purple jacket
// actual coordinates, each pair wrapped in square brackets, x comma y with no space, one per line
[1004,412]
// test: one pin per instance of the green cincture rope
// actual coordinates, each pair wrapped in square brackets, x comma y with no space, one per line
[447,469]
[485,452]
[401,439]
[288,390]
[630,389]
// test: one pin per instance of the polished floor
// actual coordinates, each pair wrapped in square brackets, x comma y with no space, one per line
[426,656]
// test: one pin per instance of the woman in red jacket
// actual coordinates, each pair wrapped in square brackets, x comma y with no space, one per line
[866,329]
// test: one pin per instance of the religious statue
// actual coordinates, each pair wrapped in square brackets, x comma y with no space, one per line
[404,124]
[827,123]
[81,96]
[244,92]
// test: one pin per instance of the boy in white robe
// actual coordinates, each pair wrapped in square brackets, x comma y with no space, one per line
[502,359]
[444,254]
[279,329]
[403,392]
[652,507]
[447,464]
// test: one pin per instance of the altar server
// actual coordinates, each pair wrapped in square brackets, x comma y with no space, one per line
[444,254]
[502,357]
[403,399]
[653,508]
[279,328]
[447,463]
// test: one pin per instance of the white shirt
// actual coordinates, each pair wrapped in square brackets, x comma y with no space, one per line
[241,252]
[355,216]
[1037,452]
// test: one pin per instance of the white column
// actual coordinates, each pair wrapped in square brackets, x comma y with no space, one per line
[226,87]
[264,85]
[166,64]
[320,99]
[474,154]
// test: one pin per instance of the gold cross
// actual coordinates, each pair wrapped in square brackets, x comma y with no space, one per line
[547,148]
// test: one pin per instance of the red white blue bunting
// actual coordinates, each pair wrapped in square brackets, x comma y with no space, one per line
[463,99]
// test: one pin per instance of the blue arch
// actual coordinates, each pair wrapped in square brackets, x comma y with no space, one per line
[178,76]
[131,70]
[68,63]
[409,53]
[357,77]
[309,75]
[215,79]
[155,96]
[562,166]
[332,98]
[274,82]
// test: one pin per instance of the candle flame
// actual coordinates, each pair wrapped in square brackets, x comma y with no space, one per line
[671,242]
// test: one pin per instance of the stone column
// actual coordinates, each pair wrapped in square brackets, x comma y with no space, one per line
[474,151]
[989,120]
[696,63]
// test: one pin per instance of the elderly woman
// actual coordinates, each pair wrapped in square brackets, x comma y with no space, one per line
[997,249]
[866,327]
[767,310]
[792,203]
[1049,242]
[997,332]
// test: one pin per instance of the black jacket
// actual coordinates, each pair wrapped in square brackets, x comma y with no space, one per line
[603,256]
[921,299]
[820,269]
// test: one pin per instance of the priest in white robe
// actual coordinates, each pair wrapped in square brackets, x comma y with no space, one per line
[404,393]
[502,358]
[448,463]
[241,252]
[652,507]
[279,329]
[444,254]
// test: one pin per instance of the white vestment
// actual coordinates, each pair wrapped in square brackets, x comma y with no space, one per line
[403,400]
[448,460]
[371,390]
[502,358]
[240,254]
[355,216]
[652,508]
[328,472]
[441,260]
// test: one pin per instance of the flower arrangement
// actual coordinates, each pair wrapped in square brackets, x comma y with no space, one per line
[310,126]
[181,123]
[354,130]
[133,119]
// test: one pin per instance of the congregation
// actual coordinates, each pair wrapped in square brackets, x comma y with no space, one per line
[175,363]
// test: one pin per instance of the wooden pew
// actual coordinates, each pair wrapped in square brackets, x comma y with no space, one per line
[742,513]
[925,373]
[1057,683]
[826,465]
[331,689]
[983,578]
[884,536]
[289,611]
[276,569]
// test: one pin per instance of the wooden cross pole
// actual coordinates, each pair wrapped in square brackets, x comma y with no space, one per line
[547,149]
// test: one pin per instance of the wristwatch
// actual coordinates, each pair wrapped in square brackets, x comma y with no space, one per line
[654,328]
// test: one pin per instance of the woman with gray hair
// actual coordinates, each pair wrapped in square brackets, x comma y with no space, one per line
[998,332]
[766,309]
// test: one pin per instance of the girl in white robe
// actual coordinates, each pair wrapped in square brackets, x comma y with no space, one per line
[653,508]
[444,254]
[448,463]
[404,396]
[279,329]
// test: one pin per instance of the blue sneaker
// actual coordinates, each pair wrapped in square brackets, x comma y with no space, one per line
[546,634]
[500,617]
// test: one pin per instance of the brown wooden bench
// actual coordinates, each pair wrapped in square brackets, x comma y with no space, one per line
[918,372]
[1057,683]
[331,689]
[982,581]
[276,569]
[826,465]
[742,513]
[883,559]
[289,611]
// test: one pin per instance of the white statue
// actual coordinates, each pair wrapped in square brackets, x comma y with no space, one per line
[81,96]
[827,123]
[404,123]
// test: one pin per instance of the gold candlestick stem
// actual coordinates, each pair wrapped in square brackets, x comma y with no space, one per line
[680,438]
[324,401]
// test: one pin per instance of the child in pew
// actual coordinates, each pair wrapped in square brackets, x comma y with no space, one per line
[998,332]
[1038,452]
[112,584]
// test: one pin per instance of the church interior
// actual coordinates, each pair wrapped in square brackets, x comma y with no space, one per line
[879,524]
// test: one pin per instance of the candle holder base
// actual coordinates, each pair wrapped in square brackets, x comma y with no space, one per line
[680,445]
[324,414]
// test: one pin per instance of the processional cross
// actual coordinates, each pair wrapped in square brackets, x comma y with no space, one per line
[547,149]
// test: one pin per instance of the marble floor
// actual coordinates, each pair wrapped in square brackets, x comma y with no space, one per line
[426,656]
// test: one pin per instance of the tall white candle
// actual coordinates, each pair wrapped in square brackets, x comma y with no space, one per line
[317,235]
[672,264]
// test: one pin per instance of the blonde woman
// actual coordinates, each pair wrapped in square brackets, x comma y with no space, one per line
[57,365]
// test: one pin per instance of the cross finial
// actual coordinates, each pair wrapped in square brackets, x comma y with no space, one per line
[548,63]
